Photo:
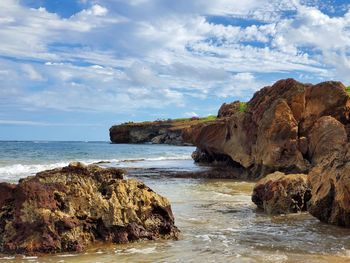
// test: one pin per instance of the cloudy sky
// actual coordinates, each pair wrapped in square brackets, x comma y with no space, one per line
[69,69]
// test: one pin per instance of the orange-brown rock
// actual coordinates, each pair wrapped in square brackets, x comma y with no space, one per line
[279,193]
[68,209]
[274,131]
[330,181]
[229,109]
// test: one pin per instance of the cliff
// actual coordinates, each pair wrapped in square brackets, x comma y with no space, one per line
[300,130]
[273,131]
[157,132]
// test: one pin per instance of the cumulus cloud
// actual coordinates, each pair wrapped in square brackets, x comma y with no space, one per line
[162,54]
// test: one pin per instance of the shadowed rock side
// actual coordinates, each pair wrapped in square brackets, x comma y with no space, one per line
[156,132]
[70,208]
[279,193]
[273,133]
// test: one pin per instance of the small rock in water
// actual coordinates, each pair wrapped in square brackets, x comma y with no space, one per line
[69,208]
[279,193]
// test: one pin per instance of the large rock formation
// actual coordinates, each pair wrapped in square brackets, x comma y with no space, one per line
[279,193]
[157,132]
[68,209]
[145,132]
[273,133]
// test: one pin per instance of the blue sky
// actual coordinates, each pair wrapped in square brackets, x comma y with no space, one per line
[69,69]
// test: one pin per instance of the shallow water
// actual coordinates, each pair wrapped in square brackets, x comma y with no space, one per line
[219,223]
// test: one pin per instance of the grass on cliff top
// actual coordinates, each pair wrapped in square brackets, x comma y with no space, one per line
[179,122]
[348,90]
[242,107]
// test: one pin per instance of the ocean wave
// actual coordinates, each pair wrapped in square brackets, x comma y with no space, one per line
[15,171]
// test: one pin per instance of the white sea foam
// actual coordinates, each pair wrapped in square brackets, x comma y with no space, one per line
[15,171]
[149,250]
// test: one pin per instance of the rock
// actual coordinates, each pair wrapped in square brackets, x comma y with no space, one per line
[158,139]
[229,109]
[279,193]
[70,208]
[326,137]
[330,181]
[153,132]
[274,132]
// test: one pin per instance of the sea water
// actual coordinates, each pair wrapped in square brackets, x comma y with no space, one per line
[217,219]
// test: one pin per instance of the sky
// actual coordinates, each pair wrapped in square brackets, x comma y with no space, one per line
[69,69]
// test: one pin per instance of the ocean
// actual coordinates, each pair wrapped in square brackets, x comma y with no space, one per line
[23,158]
[217,219]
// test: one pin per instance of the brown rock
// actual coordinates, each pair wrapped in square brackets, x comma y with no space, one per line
[279,193]
[326,137]
[229,109]
[330,181]
[273,133]
[68,209]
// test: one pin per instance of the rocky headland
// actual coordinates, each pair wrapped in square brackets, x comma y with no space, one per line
[301,131]
[156,132]
[71,208]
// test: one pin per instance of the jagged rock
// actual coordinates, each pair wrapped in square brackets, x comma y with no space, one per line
[330,181]
[229,109]
[327,136]
[274,131]
[279,193]
[68,209]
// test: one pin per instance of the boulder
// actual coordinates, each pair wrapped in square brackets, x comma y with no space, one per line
[70,208]
[279,193]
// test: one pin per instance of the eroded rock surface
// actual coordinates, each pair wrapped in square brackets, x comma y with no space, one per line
[274,131]
[279,193]
[68,209]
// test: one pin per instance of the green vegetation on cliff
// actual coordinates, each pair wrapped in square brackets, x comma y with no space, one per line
[348,90]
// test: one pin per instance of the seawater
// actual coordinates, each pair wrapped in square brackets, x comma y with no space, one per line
[23,158]
[218,221]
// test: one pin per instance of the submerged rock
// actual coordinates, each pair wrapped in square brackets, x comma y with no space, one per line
[279,193]
[68,209]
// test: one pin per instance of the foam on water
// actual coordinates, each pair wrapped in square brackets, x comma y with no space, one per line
[15,171]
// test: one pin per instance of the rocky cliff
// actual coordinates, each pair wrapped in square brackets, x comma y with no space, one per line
[300,130]
[70,208]
[157,132]
[274,131]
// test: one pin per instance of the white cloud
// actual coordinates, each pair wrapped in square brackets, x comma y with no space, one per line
[162,53]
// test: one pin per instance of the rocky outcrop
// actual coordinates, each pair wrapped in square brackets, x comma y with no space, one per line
[229,109]
[274,131]
[157,132]
[70,208]
[330,177]
[279,193]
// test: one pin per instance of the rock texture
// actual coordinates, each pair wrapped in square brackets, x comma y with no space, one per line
[279,193]
[70,208]
[158,132]
[274,132]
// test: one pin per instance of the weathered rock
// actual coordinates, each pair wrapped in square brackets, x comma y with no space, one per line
[157,132]
[68,209]
[279,193]
[327,136]
[229,109]
[330,181]
[274,131]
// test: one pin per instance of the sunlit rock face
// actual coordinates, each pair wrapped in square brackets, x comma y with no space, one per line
[273,131]
[70,208]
